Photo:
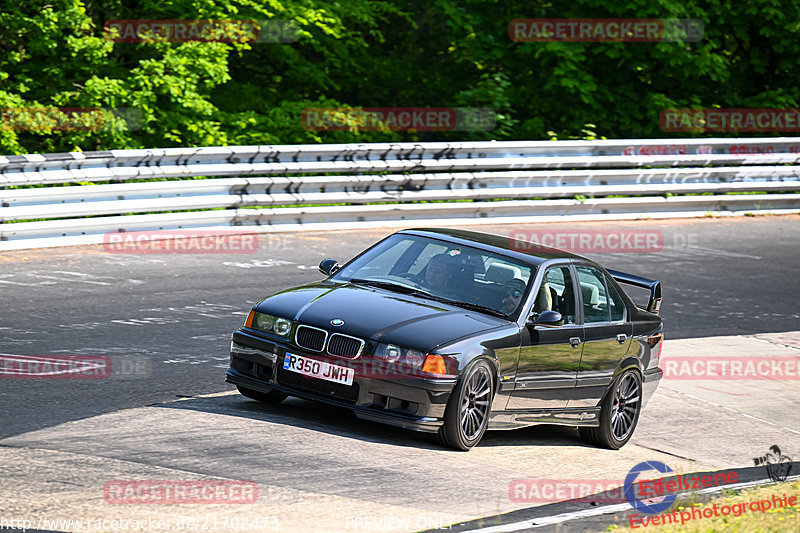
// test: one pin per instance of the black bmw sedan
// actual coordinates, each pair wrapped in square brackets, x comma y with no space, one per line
[455,332]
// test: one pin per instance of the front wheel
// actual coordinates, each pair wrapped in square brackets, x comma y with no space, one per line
[467,413]
[272,397]
[619,413]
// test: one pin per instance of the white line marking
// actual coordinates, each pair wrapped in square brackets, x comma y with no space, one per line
[734,410]
[25,284]
[71,280]
[773,342]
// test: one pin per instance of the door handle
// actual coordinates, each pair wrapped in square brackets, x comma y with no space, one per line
[621,338]
[574,341]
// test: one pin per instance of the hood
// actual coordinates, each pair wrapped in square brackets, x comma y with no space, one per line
[378,314]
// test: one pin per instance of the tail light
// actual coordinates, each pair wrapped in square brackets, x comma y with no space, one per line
[652,340]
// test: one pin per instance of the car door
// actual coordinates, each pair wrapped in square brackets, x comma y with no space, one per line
[607,329]
[549,357]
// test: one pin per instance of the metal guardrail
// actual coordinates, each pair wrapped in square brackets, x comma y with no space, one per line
[260,187]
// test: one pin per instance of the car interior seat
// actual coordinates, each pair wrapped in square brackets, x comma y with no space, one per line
[591,300]
[591,294]
[567,304]
[544,300]
[501,274]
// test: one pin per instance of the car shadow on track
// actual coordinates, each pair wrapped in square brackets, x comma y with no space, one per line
[342,422]
[540,435]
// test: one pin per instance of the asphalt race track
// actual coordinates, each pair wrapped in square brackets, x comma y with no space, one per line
[165,321]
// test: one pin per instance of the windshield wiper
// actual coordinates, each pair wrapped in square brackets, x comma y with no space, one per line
[477,307]
[385,285]
[405,289]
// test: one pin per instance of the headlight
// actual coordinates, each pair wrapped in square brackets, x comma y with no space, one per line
[264,322]
[392,354]
[389,352]
[271,324]
[415,358]
[282,326]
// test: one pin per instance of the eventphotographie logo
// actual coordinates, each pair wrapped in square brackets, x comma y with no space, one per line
[778,465]
[640,504]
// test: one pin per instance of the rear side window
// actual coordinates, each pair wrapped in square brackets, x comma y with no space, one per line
[595,298]
[617,307]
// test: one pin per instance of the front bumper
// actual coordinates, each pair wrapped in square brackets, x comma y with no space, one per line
[411,403]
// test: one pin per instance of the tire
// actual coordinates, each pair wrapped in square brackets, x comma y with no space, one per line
[467,413]
[273,397]
[616,430]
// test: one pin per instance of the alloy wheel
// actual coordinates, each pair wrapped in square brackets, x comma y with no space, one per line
[624,406]
[475,403]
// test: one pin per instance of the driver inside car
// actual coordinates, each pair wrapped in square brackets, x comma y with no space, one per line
[514,290]
[448,276]
[437,273]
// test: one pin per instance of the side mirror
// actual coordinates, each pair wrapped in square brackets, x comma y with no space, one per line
[550,319]
[328,266]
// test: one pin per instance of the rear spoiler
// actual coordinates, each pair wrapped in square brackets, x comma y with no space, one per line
[654,286]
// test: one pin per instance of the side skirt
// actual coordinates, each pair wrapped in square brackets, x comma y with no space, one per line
[576,416]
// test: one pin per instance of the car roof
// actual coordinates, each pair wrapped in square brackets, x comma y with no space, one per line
[532,253]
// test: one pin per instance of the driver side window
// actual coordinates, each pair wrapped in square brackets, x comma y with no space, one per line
[557,294]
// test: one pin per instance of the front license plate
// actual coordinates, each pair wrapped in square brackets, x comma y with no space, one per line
[318,369]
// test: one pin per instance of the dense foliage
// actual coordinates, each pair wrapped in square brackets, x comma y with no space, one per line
[375,53]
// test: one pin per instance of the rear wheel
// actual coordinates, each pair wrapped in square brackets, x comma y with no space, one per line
[272,397]
[619,413]
[467,413]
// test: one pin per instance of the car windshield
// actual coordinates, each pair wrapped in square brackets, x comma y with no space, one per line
[443,271]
